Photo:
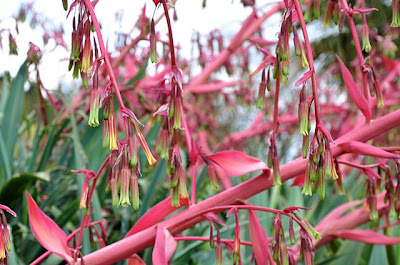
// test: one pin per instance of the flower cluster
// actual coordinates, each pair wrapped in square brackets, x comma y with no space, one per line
[177,176]
[81,58]
[320,163]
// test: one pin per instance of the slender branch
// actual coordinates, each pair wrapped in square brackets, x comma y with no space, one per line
[201,238]
[171,39]
[104,53]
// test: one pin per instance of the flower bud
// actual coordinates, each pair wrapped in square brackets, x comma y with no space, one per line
[125,177]
[94,105]
[396,13]
[261,92]
[366,45]
[153,42]
[114,192]
[65,4]
[12,45]
[134,191]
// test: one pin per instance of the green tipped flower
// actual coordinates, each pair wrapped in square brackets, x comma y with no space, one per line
[153,42]
[366,45]
[65,4]
[114,192]
[396,14]
[124,196]
[94,108]
[261,92]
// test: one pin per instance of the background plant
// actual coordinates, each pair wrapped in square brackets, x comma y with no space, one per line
[202,126]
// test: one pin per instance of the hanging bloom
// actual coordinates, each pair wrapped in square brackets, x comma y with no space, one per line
[153,42]
[306,247]
[396,13]
[329,12]
[85,189]
[261,92]
[5,239]
[313,10]
[94,103]
[124,196]
[273,160]
[236,240]
[134,190]
[65,4]
[304,112]
[177,177]
[366,45]
[375,87]
[12,44]
[320,162]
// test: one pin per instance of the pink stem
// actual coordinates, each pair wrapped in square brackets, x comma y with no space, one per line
[84,218]
[70,236]
[344,162]
[309,58]
[189,217]
[104,53]
[201,238]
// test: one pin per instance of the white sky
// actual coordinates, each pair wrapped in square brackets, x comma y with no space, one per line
[226,15]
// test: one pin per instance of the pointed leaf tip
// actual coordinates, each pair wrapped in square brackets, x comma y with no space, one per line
[366,149]
[135,260]
[235,163]
[164,246]
[259,240]
[354,91]
[47,232]
[367,236]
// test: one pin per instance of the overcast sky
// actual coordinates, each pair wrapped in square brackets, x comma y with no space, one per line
[223,14]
